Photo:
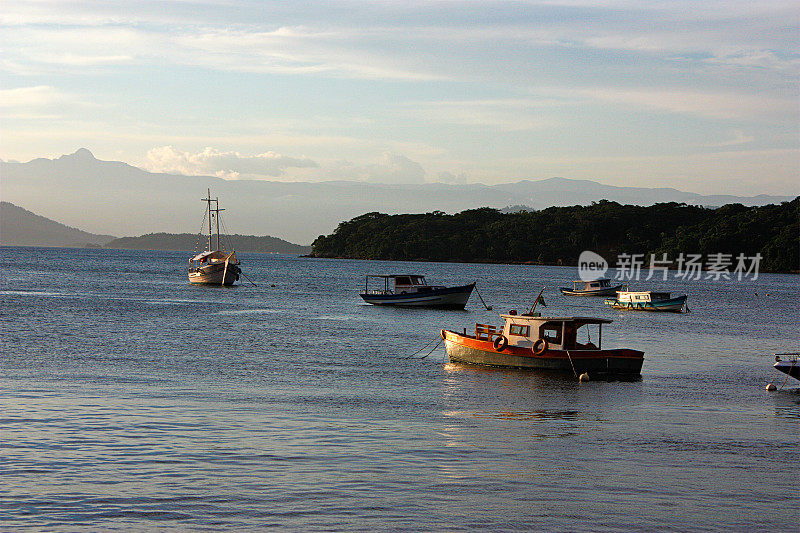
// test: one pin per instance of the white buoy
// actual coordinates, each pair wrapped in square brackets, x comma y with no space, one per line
[584,377]
[771,387]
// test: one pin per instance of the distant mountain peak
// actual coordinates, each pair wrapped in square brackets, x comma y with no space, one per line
[82,154]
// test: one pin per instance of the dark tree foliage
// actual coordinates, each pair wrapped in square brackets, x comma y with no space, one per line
[557,235]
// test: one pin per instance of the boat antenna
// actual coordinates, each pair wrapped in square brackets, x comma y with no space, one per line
[535,303]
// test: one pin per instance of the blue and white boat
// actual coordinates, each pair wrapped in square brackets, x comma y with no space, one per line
[597,287]
[411,290]
[647,301]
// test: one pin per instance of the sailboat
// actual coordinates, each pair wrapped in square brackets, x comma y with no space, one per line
[214,266]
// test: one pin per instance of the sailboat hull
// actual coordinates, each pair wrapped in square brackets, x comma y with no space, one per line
[213,274]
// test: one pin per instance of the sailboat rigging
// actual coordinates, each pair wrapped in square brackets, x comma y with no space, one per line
[214,266]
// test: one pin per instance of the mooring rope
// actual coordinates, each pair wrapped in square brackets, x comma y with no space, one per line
[488,307]
[427,344]
[570,364]
[787,375]
[432,349]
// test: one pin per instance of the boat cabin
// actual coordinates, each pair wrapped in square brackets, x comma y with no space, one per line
[581,285]
[641,296]
[398,284]
[215,256]
[560,333]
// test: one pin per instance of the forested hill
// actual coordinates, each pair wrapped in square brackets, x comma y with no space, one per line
[190,242]
[557,235]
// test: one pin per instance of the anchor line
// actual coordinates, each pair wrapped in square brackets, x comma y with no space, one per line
[432,349]
[787,376]
[570,363]
[427,344]
[488,307]
[248,279]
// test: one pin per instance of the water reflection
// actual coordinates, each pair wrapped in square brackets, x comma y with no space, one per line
[541,376]
[787,403]
[516,415]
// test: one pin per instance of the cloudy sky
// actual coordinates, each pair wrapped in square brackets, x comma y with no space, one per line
[701,96]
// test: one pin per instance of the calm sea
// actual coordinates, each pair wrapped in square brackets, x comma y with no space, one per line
[132,400]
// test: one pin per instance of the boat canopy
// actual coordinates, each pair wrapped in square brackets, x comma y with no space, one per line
[215,254]
[577,319]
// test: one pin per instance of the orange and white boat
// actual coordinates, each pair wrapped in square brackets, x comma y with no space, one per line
[538,342]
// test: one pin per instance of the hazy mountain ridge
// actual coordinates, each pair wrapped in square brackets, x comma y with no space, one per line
[114,197]
[20,227]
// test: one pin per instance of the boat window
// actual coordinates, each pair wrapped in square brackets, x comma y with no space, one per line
[418,280]
[551,332]
[519,330]
[402,280]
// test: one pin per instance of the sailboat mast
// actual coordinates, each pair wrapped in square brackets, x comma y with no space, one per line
[218,210]
[212,213]
[207,199]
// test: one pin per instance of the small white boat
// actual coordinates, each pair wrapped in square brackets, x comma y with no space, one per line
[214,266]
[647,301]
[598,287]
[790,366]
[411,290]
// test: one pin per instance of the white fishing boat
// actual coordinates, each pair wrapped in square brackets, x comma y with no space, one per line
[598,287]
[647,301]
[411,290]
[789,366]
[214,266]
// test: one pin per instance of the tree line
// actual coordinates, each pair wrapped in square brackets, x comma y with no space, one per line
[557,235]
[194,242]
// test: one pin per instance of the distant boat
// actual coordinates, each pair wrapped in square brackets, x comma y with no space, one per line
[598,287]
[537,342]
[647,301]
[411,290]
[791,366]
[214,266]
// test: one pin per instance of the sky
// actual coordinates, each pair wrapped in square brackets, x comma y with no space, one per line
[700,96]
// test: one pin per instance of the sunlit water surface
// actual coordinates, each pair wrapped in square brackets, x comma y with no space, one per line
[132,400]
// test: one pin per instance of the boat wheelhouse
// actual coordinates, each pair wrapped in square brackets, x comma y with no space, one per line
[647,301]
[411,290]
[214,266]
[598,287]
[547,343]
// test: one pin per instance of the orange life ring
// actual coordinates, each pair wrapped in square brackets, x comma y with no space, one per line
[500,343]
[539,347]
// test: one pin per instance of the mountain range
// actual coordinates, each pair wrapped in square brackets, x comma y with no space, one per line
[113,197]
[20,227]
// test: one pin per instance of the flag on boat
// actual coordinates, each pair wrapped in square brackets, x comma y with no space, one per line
[540,301]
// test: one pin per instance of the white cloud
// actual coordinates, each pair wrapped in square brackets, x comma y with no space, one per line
[31,97]
[449,177]
[504,114]
[391,168]
[738,138]
[716,105]
[227,165]
[40,102]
